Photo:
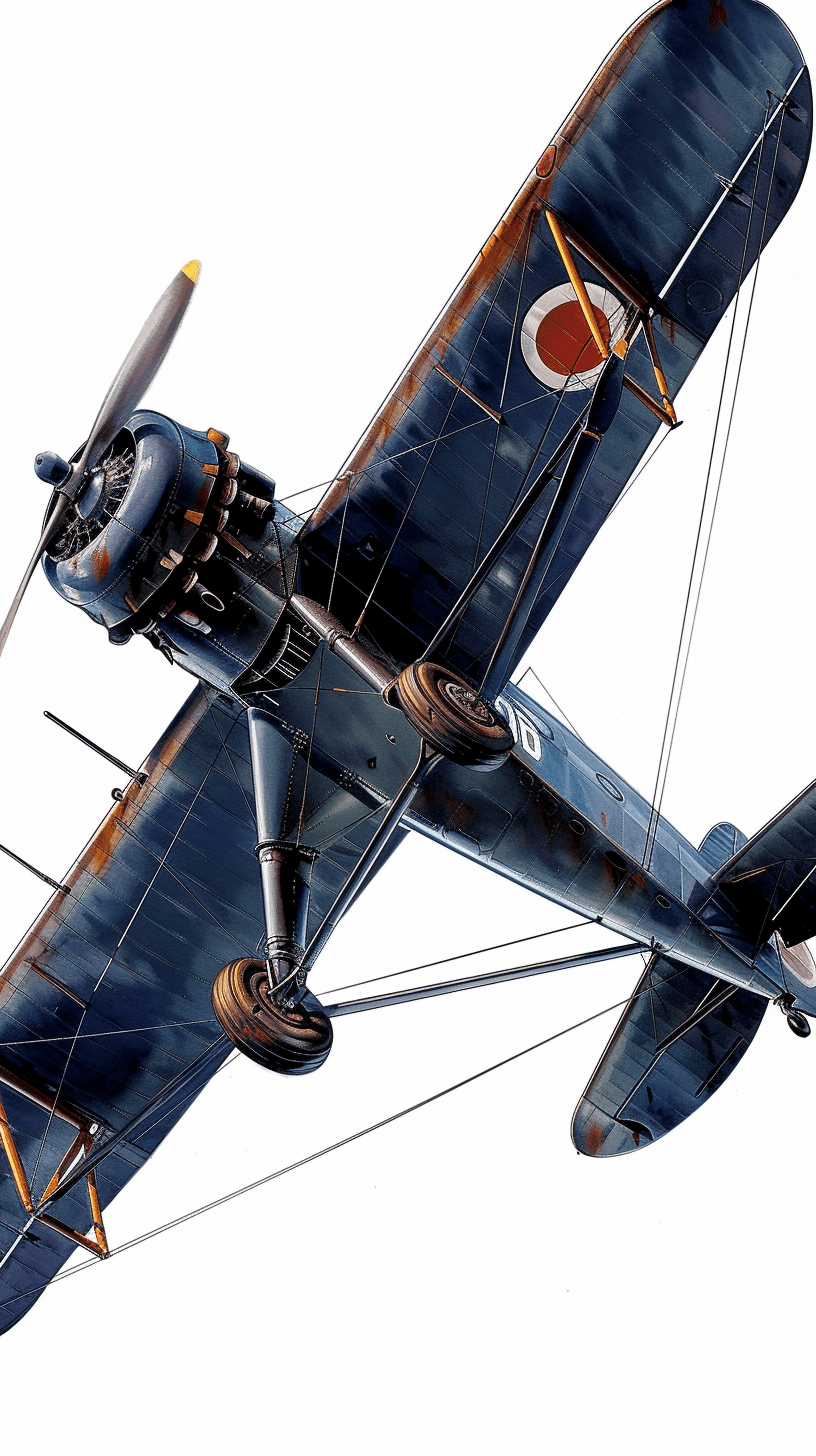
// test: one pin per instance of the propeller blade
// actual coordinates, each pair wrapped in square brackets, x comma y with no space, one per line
[140,367]
[133,379]
[52,525]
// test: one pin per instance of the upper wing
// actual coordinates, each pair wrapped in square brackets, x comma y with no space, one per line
[637,171]
[770,884]
[662,1062]
[106,1024]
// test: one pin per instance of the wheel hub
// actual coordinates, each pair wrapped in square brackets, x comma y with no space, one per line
[292,1038]
[448,713]
[467,701]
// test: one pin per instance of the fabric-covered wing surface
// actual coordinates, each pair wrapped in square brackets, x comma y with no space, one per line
[651,1078]
[120,972]
[637,170]
[771,883]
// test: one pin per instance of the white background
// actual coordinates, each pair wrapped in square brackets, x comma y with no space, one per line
[462,1281]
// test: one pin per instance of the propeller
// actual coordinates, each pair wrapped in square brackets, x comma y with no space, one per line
[131,382]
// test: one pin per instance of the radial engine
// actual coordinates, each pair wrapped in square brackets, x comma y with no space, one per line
[175,539]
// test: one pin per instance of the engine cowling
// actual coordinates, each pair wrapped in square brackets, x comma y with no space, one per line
[174,538]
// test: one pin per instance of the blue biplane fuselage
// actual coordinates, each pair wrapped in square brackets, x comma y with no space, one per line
[353,666]
[555,818]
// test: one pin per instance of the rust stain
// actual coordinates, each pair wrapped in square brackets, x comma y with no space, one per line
[522,213]
[546,161]
[205,490]
[594,1138]
[96,857]
[717,15]
[100,560]
[604,819]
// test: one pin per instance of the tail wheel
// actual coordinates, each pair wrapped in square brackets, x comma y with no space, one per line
[798,1023]
[292,1042]
[451,717]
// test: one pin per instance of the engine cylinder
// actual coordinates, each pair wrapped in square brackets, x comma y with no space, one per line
[173,537]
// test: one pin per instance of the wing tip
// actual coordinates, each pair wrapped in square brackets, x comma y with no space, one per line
[597,1135]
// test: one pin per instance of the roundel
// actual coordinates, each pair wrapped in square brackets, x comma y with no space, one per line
[556,340]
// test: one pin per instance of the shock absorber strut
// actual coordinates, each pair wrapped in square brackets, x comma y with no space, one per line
[284,890]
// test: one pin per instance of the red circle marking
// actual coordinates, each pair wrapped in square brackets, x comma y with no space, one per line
[564,343]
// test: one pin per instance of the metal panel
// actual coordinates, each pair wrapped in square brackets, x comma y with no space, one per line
[770,884]
[105,1006]
[637,169]
[638,1093]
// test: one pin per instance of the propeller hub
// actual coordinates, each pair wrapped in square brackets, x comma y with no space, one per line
[51,468]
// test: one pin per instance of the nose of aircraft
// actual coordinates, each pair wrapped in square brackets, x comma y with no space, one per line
[51,468]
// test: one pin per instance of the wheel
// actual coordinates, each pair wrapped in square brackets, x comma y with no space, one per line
[798,1023]
[451,717]
[292,1042]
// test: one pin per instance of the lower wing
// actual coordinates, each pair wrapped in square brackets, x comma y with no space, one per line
[107,1030]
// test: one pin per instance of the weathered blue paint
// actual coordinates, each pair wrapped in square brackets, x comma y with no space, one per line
[200,559]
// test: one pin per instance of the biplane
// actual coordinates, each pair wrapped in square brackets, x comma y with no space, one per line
[353,665]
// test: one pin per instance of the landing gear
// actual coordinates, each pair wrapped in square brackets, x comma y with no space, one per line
[273,1029]
[263,1005]
[798,1023]
[449,714]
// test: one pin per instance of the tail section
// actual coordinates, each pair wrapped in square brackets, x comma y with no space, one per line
[681,1035]
[769,883]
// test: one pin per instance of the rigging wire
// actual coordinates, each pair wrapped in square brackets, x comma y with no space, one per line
[439,440]
[185,888]
[107,967]
[331,1147]
[634,478]
[721,470]
[695,578]
[119,1031]
[499,282]
[463,956]
[567,720]
[228,755]
[212,1021]
[531,222]
[189,1096]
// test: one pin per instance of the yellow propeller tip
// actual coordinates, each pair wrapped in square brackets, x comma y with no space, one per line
[191,270]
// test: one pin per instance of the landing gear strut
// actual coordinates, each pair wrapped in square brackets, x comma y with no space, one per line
[263,1005]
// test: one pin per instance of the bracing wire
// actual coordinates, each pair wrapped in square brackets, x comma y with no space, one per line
[732,408]
[555,704]
[702,541]
[333,1147]
[407,512]
[107,966]
[462,956]
[449,435]
[119,1031]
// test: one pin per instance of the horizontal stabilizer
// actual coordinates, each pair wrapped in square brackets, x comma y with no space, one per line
[680,1036]
[770,884]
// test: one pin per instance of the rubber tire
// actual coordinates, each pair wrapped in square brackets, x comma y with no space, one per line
[435,702]
[289,1042]
[799,1024]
